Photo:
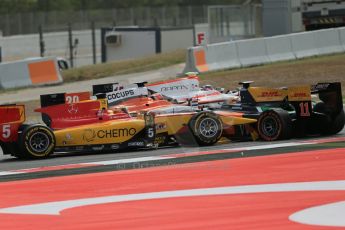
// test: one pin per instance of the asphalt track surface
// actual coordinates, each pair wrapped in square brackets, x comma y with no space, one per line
[294,184]
[291,188]
[9,163]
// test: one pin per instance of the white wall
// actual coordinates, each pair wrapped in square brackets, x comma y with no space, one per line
[134,44]
[176,39]
[56,44]
[138,43]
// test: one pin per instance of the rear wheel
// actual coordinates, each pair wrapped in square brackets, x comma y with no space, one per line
[207,128]
[274,125]
[37,141]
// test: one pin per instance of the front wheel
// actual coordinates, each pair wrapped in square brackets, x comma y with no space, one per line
[274,125]
[207,128]
[37,141]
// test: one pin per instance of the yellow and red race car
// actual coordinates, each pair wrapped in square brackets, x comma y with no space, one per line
[95,130]
[89,125]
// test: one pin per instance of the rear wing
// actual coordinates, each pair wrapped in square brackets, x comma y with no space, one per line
[62,106]
[62,98]
[330,94]
[115,93]
[11,118]
[12,114]
[177,88]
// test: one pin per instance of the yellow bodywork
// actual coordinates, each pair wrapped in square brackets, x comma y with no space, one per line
[232,118]
[299,93]
[262,94]
[110,132]
[172,123]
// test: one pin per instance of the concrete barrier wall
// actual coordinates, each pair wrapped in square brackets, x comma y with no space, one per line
[303,44]
[243,53]
[29,72]
[328,41]
[252,52]
[342,36]
[222,56]
[279,48]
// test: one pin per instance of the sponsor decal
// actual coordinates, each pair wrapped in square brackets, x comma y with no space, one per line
[68,136]
[125,93]
[89,135]
[320,86]
[174,88]
[160,140]
[270,94]
[98,148]
[160,126]
[72,109]
[137,143]
[300,94]
[115,146]
[79,148]
[125,132]
[118,95]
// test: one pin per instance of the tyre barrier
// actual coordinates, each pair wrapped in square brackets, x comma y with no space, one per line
[30,72]
[258,51]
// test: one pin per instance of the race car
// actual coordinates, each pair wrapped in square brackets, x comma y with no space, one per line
[174,124]
[281,113]
[183,90]
[94,131]
[180,91]
[285,112]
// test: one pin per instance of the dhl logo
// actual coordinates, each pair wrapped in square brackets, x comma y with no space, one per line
[300,95]
[270,94]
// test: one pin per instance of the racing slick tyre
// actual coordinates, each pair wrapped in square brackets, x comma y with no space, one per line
[36,141]
[206,127]
[274,125]
[330,126]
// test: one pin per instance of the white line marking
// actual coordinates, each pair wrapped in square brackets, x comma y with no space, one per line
[54,208]
[5,173]
[271,146]
[325,215]
[124,161]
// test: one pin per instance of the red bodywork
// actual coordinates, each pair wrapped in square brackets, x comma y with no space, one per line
[11,118]
[81,113]
[143,104]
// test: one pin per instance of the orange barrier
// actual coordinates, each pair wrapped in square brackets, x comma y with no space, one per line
[28,72]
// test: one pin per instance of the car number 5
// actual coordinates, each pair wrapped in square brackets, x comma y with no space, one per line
[6,131]
[151,133]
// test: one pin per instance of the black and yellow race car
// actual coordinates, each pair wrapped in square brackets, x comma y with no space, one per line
[294,111]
